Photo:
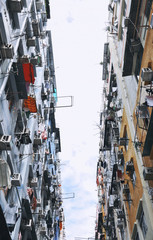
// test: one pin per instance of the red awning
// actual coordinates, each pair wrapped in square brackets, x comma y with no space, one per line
[28,72]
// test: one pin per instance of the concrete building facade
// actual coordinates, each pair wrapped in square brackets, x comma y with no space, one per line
[30,174]
[125,152]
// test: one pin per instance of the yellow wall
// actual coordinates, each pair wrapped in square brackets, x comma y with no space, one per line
[137,191]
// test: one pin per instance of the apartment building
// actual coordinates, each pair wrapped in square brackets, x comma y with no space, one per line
[30,174]
[125,167]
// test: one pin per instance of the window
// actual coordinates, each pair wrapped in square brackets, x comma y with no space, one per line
[134,178]
[143,224]
[129,199]
[124,140]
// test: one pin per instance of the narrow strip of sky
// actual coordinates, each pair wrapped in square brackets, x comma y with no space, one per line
[78,37]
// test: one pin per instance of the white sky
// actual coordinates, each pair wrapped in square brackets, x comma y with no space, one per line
[78,37]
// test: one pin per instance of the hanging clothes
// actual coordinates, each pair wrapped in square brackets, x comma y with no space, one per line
[30,104]
[28,72]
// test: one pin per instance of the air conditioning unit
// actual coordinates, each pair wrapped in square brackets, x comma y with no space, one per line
[52,233]
[34,60]
[38,203]
[44,16]
[31,42]
[117,203]
[120,214]
[123,141]
[52,99]
[120,224]
[116,133]
[56,141]
[16,180]
[43,230]
[46,73]
[15,5]
[24,59]
[129,167]
[126,22]
[120,155]
[28,226]
[35,27]
[142,112]
[147,74]
[43,34]
[34,182]
[5,142]
[39,5]
[7,51]
[37,141]
[45,114]
[126,189]
[27,131]
[41,214]
[148,173]
[54,177]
